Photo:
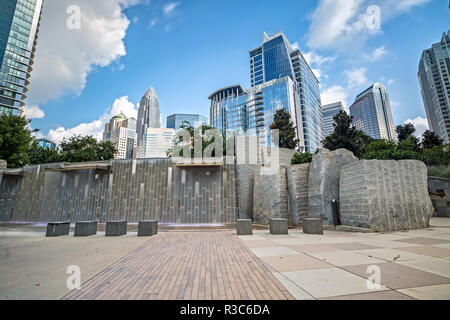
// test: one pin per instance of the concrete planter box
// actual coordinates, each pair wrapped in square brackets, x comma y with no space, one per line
[148,228]
[57,229]
[244,227]
[312,226]
[86,228]
[278,226]
[116,228]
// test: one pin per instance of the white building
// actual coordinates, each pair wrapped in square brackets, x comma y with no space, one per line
[329,111]
[121,131]
[156,142]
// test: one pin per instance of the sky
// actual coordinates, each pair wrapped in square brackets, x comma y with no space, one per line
[97,58]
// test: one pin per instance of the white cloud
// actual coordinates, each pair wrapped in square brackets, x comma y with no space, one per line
[168,8]
[295,45]
[342,24]
[317,72]
[33,112]
[421,125]
[153,22]
[95,128]
[334,94]
[356,77]
[66,56]
[378,54]
[315,59]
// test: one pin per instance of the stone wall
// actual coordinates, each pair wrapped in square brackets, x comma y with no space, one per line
[301,174]
[133,190]
[385,195]
[439,189]
[270,198]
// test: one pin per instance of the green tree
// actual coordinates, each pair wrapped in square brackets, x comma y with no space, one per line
[404,131]
[300,158]
[282,122]
[15,138]
[346,136]
[430,140]
[39,155]
[389,150]
[79,149]
[437,156]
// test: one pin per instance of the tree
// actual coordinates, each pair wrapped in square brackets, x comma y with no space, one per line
[15,138]
[437,156]
[389,150]
[300,158]
[39,155]
[79,149]
[288,136]
[346,136]
[430,140]
[404,131]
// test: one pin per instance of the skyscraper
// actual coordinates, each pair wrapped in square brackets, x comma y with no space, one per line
[372,114]
[156,143]
[149,114]
[434,71]
[176,120]
[329,111]
[121,131]
[19,28]
[280,78]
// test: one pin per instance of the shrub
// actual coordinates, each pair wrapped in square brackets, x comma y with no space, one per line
[300,158]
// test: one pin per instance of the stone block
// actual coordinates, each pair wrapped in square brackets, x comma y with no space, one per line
[244,227]
[279,226]
[3,164]
[116,228]
[312,226]
[148,228]
[57,229]
[85,228]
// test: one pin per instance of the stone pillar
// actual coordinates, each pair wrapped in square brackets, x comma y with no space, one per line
[3,164]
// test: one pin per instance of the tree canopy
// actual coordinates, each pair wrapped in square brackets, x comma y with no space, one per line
[287,134]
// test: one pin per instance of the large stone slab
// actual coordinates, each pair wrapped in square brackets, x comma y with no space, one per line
[3,164]
[147,228]
[85,228]
[279,226]
[385,195]
[57,229]
[312,226]
[323,184]
[244,227]
[116,228]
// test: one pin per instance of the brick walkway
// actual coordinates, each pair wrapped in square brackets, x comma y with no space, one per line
[188,266]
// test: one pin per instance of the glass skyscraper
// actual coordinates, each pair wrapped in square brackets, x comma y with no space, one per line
[149,114]
[176,120]
[434,72]
[19,27]
[372,114]
[280,78]
[329,111]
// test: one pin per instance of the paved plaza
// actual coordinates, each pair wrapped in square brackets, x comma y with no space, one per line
[217,264]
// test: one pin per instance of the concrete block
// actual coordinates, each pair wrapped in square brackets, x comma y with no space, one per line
[244,227]
[312,226]
[85,228]
[278,226]
[57,229]
[116,228]
[148,228]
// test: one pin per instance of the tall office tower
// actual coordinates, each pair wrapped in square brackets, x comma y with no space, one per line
[372,114]
[149,114]
[329,111]
[156,143]
[19,28]
[283,77]
[176,120]
[434,71]
[121,131]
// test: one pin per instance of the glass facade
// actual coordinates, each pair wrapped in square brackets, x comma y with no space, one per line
[19,27]
[176,120]
[149,114]
[434,74]
[47,144]
[372,114]
[329,111]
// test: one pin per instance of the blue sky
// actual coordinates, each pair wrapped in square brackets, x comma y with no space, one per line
[187,49]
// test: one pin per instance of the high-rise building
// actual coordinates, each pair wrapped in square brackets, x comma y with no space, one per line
[46,144]
[176,120]
[280,78]
[19,28]
[434,73]
[156,143]
[372,114]
[121,131]
[149,114]
[329,111]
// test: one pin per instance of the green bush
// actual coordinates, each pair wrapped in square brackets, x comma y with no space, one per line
[441,171]
[300,158]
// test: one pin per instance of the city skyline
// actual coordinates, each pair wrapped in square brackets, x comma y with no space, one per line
[382,58]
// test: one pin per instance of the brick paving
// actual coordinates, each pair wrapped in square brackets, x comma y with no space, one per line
[186,266]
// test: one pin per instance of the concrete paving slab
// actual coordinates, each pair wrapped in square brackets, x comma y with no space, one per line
[437,292]
[345,258]
[295,262]
[272,251]
[437,266]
